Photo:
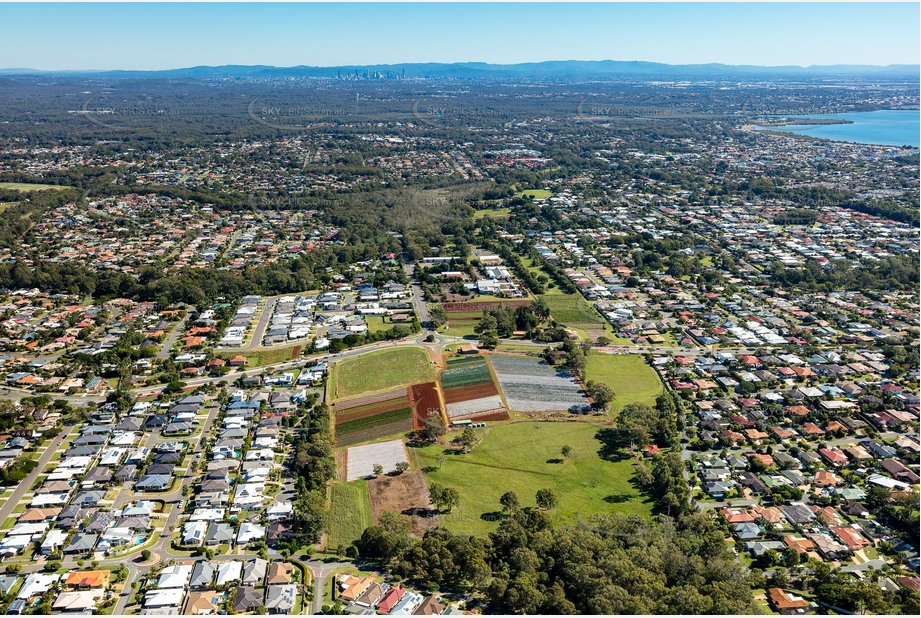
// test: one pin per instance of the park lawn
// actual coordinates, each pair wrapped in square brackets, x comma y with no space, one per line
[349,513]
[537,194]
[628,374]
[487,212]
[381,370]
[519,457]
[24,187]
[572,310]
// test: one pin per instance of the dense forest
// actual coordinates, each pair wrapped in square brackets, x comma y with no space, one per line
[616,565]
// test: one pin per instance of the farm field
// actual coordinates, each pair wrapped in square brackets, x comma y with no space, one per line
[531,385]
[376,416]
[380,370]
[374,424]
[360,460]
[24,187]
[424,399]
[369,402]
[628,374]
[469,389]
[349,512]
[526,456]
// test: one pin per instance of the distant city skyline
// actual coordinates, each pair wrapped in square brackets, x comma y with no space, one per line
[164,36]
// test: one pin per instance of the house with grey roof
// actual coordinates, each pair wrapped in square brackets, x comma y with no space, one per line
[219,533]
[281,598]
[246,599]
[153,482]
[747,531]
[202,574]
[82,543]
[254,572]
[798,513]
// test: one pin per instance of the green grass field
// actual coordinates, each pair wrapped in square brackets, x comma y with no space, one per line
[496,212]
[258,358]
[519,457]
[349,512]
[376,323]
[537,194]
[572,310]
[629,375]
[382,370]
[24,187]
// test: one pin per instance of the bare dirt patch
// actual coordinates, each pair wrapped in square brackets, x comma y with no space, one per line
[407,494]
[424,398]
[466,393]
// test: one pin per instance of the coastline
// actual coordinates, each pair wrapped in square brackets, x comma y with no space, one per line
[880,130]
[804,122]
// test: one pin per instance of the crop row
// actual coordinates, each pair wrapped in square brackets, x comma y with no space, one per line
[368,422]
[457,361]
[375,433]
[348,404]
[463,377]
[373,408]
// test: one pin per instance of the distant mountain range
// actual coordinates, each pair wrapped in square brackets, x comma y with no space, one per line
[555,69]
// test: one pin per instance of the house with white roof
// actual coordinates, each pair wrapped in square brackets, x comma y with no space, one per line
[37,584]
[164,597]
[176,576]
[250,532]
[228,572]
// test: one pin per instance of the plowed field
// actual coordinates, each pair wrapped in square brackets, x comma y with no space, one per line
[466,393]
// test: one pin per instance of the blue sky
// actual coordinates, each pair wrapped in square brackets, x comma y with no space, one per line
[160,36]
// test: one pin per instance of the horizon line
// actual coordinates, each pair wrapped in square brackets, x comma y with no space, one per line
[459,62]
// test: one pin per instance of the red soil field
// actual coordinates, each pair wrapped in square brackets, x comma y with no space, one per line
[466,393]
[484,416]
[423,397]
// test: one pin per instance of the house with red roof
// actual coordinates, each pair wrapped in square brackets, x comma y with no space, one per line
[390,599]
[833,456]
[850,537]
